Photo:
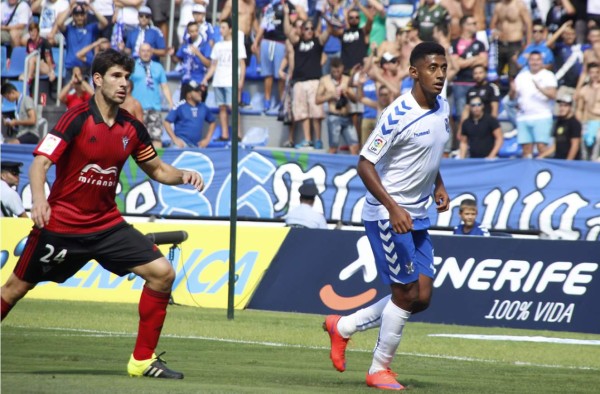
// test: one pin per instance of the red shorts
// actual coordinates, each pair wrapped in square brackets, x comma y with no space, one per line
[54,257]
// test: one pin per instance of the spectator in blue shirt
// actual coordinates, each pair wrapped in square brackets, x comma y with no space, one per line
[538,45]
[145,33]
[79,34]
[149,80]
[468,215]
[194,55]
[188,118]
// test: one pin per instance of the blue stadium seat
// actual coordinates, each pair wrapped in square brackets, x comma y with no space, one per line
[7,106]
[210,101]
[256,136]
[256,104]
[510,147]
[216,135]
[253,70]
[17,63]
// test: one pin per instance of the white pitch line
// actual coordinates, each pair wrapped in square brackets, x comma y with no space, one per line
[100,333]
[517,338]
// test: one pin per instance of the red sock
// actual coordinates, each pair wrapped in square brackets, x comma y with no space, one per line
[153,310]
[6,307]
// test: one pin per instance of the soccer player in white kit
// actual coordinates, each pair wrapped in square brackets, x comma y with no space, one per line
[399,165]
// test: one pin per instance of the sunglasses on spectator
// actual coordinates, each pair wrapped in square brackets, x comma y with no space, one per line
[476,104]
[144,16]
[353,18]
[538,30]
[562,103]
[308,28]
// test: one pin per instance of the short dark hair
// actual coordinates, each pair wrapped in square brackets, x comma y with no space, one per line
[7,88]
[535,53]
[110,57]
[336,62]
[467,203]
[191,23]
[228,21]
[464,18]
[426,48]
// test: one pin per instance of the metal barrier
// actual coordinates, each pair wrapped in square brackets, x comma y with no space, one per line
[61,56]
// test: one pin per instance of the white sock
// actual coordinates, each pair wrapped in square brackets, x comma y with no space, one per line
[362,319]
[393,320]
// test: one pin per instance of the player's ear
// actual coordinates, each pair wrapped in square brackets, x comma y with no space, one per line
[413,72]
[97,78]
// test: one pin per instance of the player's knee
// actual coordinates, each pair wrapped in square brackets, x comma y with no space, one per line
[15,289]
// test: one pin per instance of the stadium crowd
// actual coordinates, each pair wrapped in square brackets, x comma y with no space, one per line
[522,69]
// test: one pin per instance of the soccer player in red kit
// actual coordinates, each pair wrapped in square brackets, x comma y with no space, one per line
[80,221]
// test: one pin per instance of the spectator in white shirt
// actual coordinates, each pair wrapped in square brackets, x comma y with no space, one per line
[15,17]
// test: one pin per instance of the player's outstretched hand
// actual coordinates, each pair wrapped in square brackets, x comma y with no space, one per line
[400,220]
[40,214]
[193,178]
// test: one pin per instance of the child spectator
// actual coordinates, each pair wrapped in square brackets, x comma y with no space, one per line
[468,215]
[221,68]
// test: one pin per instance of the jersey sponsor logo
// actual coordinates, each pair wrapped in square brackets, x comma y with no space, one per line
[93,174]
[49,144]
[377,144]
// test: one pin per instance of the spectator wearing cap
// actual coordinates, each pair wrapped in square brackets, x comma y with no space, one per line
[535,89]
[15,17]
[429,15]
[588,112]
[566,132]
[304,215]
[11,204]
[481,135]
[193,55]
[188,118]
[79,34]
[22,129]
[206,29]
[145,33]
[149,79]
[389,73]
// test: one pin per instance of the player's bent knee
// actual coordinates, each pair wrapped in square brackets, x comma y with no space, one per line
[14,289]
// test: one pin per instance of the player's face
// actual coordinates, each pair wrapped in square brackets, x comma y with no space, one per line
[468,215]
[113,85]
[430,72]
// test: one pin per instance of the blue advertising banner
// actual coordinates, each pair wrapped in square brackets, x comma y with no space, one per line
[559,198]
[481,281]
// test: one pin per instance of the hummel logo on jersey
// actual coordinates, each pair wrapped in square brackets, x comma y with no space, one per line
[125,142]
[393,118]
[93,139]
[422,133]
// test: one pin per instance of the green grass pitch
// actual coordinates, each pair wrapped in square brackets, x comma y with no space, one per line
[83,347]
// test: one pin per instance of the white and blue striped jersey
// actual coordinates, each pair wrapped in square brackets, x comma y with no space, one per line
[406,148]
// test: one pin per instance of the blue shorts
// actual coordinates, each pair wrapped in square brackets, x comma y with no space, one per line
[338,126]
[400,258]
[223,95]
[534,131]
[271,56]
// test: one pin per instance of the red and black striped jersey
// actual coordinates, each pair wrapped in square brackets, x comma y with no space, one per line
[89,156]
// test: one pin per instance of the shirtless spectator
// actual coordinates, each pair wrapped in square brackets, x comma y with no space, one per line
[455,12]
[246,15]
[511,26]
[588,113]
[389,74]
[131,105]
[476,9]
[591,54]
